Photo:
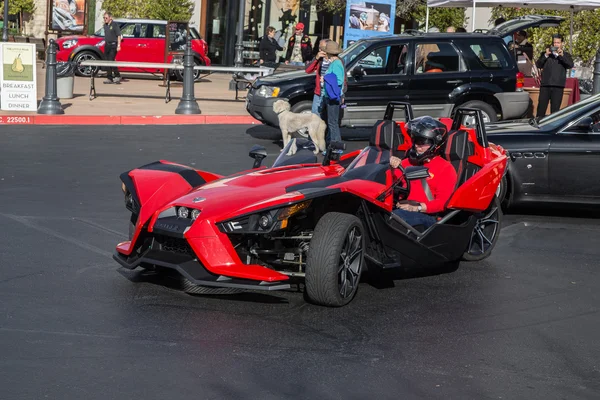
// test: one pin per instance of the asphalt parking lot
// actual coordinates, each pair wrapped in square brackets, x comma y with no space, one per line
[522,324]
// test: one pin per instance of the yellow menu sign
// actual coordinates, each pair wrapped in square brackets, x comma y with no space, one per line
[18,88]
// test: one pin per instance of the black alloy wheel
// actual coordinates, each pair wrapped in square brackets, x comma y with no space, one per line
[335,260]
[485,233]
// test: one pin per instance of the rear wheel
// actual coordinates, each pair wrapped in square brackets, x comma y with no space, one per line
[303,107]
[197,74]
[86,56]
[488,112]
[335,260]
[485,233]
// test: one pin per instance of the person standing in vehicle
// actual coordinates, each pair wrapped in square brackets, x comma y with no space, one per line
[319,65]
[299,48]
[332,92]
[427,196]
[268,49]
[554,61]
[521,45]
[112,44]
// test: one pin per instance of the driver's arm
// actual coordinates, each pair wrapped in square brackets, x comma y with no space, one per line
[442,185]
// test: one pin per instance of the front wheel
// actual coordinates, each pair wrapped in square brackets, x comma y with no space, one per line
[335,260]
[485,233]
[86,56]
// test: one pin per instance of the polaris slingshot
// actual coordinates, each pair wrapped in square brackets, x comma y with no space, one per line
[304,221]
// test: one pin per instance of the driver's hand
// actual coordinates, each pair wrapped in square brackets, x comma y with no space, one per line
[395,162]
[407,207]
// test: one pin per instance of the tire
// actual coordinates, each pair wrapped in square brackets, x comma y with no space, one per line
[86,56]
[197,74]
[302,107]
[502,191]
[485,233]
[488,111]
[332,279]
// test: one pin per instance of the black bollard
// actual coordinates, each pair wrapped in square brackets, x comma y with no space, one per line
[50,103]
[188,104]
[596,81]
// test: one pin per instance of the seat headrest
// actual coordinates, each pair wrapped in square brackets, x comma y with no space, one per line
[457,146]
[386,135]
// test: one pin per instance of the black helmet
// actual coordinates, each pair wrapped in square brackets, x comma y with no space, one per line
[429,130]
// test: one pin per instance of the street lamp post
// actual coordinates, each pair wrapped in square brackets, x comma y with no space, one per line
[239,45]
[5,28]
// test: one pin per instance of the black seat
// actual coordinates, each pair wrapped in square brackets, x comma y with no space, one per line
[386,135]
[457,150]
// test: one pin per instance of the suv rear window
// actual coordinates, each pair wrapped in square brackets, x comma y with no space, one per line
[490,55]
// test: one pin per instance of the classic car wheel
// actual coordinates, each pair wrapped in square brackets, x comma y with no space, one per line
[485,233]
[303,107]
[335,260]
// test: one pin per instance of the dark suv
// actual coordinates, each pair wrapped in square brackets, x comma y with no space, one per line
[435,72]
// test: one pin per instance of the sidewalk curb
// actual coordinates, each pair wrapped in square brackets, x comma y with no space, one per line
[126,119]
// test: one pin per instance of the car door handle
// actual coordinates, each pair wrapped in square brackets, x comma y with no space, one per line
[395,84]
[142,45]
[456,81]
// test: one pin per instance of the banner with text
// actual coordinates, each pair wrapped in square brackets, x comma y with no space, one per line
[368,18]
[18,77]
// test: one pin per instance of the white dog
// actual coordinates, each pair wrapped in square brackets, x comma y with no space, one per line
[290,122]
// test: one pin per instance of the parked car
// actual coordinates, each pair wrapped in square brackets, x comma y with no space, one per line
[143,41]
[553,160]
[435,72]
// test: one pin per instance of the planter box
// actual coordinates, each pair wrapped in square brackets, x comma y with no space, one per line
[534,95]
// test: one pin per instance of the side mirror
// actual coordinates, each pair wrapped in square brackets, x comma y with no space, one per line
[584,125]
[358,71]
[259,153]
[414,173]
[331,154]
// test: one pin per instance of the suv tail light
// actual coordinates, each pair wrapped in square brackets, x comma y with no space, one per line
[520,82]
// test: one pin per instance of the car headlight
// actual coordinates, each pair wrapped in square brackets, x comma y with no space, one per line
[268,91]
[265,221]
[100,43]
[67,44]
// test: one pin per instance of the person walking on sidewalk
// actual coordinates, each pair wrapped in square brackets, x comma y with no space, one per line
[299,48]
[554,61]
[333,84]
[112,44]
[319,65]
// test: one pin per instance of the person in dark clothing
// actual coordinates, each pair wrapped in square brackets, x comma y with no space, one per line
[268,49]
[521,46]
[112,44]
[499,21]
[554,61]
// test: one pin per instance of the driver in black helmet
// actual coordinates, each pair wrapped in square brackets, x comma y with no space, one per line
[427,196]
